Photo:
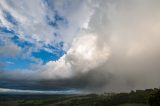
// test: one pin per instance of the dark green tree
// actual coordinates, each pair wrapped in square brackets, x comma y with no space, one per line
[154,98]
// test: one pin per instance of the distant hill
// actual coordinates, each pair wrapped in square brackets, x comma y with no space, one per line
[134,98]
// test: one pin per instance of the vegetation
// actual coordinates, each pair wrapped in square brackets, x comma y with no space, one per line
[151,97]
[132,104]
[154,98]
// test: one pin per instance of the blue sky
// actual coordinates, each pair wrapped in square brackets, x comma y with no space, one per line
[21,62]
[34,34]
[32,50]
[41,31]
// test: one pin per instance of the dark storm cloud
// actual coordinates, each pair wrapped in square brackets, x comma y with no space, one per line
[91,81]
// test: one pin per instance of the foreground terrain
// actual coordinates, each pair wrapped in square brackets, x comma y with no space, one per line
[132,104]
[134,98]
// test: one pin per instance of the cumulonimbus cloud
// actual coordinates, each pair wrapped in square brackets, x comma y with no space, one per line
[86,53]
[118,51]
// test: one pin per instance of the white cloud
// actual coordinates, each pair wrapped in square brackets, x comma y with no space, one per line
[10,62]
[131,29]
[86,53]
[9,51]
[32,20]
[5,90]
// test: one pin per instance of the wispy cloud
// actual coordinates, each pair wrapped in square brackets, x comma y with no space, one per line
[17,91]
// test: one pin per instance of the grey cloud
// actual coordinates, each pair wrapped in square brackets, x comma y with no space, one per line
[15,91]
[9,51]
[92,81]
[131,30]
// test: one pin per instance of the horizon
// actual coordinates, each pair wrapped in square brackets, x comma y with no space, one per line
[66,92]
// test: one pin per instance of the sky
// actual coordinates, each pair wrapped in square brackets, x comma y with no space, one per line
[81,46]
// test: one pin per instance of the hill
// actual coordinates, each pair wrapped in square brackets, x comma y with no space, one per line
[134,98]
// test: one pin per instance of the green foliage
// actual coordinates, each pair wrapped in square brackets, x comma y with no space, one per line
[154,98]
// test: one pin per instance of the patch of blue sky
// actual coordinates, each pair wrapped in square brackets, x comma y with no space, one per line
[60,44]
[12,64]
[21,43]
[57,47]
[47,56]
[56,21]
[10,18]
[19,63]
[2,43]
[6,30]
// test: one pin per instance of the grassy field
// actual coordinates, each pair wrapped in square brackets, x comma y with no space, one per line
[132,104]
